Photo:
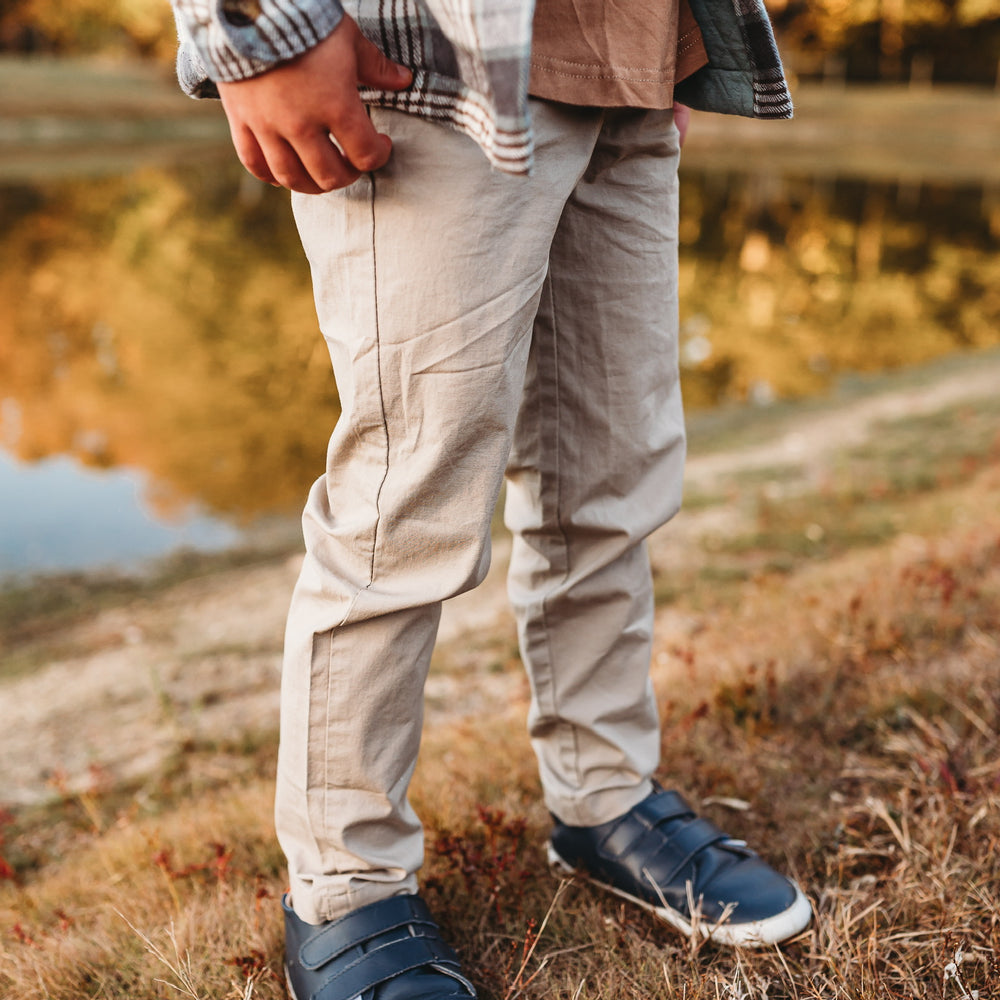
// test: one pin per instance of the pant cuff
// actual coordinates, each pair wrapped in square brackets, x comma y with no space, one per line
[600,806]
[318,903]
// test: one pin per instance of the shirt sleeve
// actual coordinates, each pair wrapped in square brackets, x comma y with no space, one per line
[229,40]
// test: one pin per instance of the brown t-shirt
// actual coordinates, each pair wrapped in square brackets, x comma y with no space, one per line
[613,53]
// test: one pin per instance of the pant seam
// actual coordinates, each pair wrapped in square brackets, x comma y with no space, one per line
[378,510]
[326,730]
[381,391]
[566,734]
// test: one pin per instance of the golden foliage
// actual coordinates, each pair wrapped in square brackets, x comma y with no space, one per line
[142,325]
[822,279]
[133,27]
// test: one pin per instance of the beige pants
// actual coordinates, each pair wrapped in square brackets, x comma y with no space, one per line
[479,322]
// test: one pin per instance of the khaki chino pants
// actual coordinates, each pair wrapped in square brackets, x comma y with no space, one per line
[482,324]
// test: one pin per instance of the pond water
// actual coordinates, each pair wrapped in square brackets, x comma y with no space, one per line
[163,384]
[60,515]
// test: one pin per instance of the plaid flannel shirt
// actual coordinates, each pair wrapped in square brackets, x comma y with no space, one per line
[470,58]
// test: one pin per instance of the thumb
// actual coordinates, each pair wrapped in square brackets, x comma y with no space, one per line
[375,69]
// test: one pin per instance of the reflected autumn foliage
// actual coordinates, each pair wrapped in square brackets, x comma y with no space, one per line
[786,283]
[164,319]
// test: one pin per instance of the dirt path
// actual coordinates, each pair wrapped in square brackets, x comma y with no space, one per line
[135,683]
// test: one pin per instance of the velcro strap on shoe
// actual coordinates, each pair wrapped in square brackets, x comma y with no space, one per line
[384,963]
[662,808]
[696,835]
[649,814]
[362,925]
[685,842]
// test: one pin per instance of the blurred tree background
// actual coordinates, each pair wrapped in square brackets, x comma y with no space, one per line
[123,28]
[922,41]
[919,41]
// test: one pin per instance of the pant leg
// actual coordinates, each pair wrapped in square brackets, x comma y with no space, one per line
[427,277]
[597,465]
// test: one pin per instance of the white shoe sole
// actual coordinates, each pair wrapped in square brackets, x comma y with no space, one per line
[292,995]
[753,934]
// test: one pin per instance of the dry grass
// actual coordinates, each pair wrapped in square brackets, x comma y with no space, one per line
[841,714]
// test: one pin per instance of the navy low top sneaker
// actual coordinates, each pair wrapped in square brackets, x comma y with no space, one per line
[685,870]
[390,950]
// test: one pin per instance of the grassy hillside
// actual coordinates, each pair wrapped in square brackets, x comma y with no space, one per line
[828,666]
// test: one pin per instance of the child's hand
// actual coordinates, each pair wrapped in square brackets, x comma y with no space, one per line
[282,121]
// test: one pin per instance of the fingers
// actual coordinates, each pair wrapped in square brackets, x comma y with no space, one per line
[324,164]
[314,167]
[251,155]
[309,166]
[302,156]
[302,124]
[357,137]
[308,160]
[364,147]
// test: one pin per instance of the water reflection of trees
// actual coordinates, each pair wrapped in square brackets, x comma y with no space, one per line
[156,321]
[164,320]
[787,282]
[919,40]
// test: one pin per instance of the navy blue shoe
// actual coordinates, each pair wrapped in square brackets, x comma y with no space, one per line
[684,870]
[390,950]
